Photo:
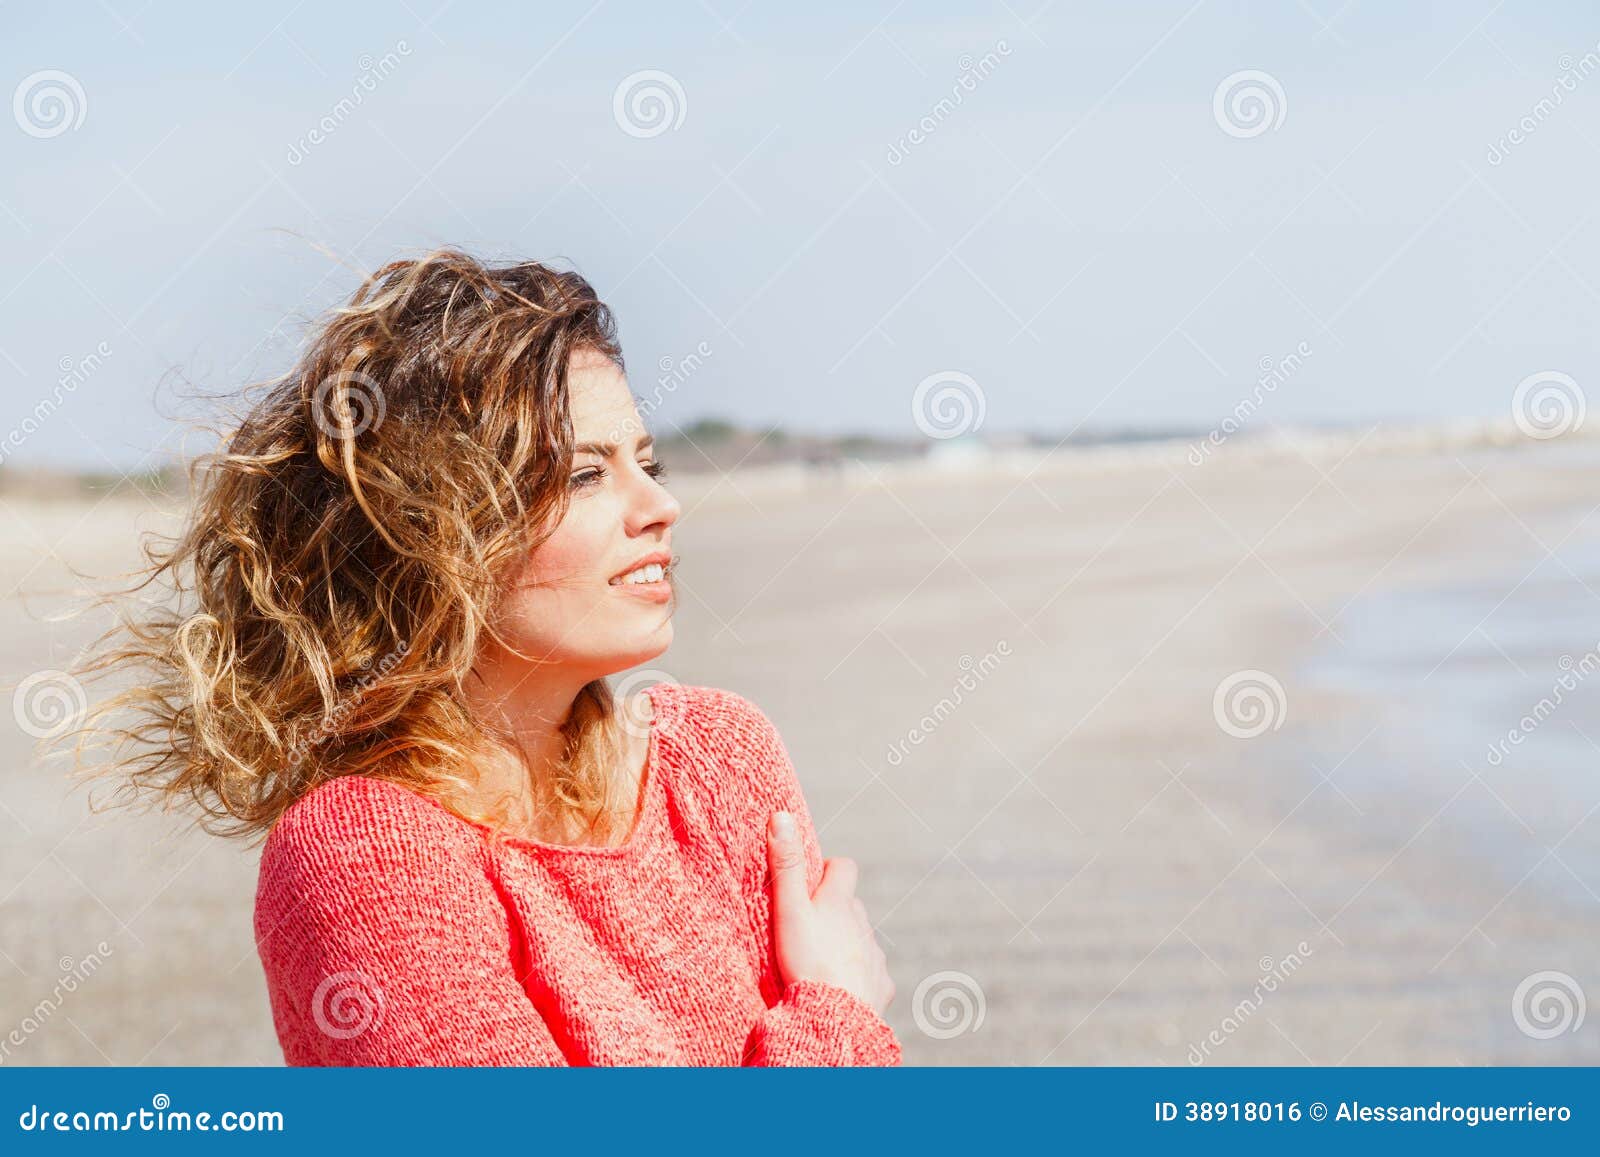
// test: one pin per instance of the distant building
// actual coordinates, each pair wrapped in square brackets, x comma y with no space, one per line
[955,453]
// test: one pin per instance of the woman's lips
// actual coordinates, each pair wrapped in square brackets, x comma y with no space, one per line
[661,558]
[656,592]
[655,589]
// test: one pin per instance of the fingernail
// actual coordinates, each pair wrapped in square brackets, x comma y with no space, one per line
[783,824]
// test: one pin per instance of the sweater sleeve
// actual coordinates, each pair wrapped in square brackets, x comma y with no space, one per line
[807,1022]
[384,942]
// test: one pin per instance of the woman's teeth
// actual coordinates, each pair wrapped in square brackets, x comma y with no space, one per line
[653,573]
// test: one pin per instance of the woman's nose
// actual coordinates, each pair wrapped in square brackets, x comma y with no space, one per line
[651,503]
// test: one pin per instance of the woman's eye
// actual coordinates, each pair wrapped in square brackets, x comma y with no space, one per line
[589,477]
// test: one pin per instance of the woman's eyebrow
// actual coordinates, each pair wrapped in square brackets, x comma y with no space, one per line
[606,449]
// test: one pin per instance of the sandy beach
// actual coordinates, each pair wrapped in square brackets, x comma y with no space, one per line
[1000,687]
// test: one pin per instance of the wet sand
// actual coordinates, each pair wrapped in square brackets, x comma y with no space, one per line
[999,690]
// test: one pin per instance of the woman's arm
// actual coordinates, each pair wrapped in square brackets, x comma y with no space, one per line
[389,947]
[807,1022]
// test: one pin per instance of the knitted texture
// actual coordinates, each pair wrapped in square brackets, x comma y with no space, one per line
[392,931]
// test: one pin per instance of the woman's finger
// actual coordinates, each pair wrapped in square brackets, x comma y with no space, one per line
[787,860]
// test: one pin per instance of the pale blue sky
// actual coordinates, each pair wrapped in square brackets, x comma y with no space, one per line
[1080,235]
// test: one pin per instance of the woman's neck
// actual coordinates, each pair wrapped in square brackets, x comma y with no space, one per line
[523,707]
[526,748]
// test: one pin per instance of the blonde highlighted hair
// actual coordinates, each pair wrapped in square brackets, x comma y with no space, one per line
[344,551]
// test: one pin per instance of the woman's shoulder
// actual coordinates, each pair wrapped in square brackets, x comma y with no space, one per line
[358,825]
[731,770]
[722,740]
[710,715]
[361,856]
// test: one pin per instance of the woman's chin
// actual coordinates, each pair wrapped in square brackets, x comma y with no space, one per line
[653,646]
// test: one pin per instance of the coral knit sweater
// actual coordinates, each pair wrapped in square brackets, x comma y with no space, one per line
[393,933]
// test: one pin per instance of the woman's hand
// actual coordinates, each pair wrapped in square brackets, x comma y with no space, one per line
[823,935]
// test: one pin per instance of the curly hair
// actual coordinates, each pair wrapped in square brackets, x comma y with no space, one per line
[345,550]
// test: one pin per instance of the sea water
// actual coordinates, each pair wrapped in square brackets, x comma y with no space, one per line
[1476,701]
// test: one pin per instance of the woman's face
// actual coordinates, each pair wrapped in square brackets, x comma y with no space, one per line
[572,604]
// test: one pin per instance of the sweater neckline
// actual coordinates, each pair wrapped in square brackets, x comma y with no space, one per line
[645,820]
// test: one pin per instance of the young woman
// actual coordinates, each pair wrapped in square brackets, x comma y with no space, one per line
[402,586]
